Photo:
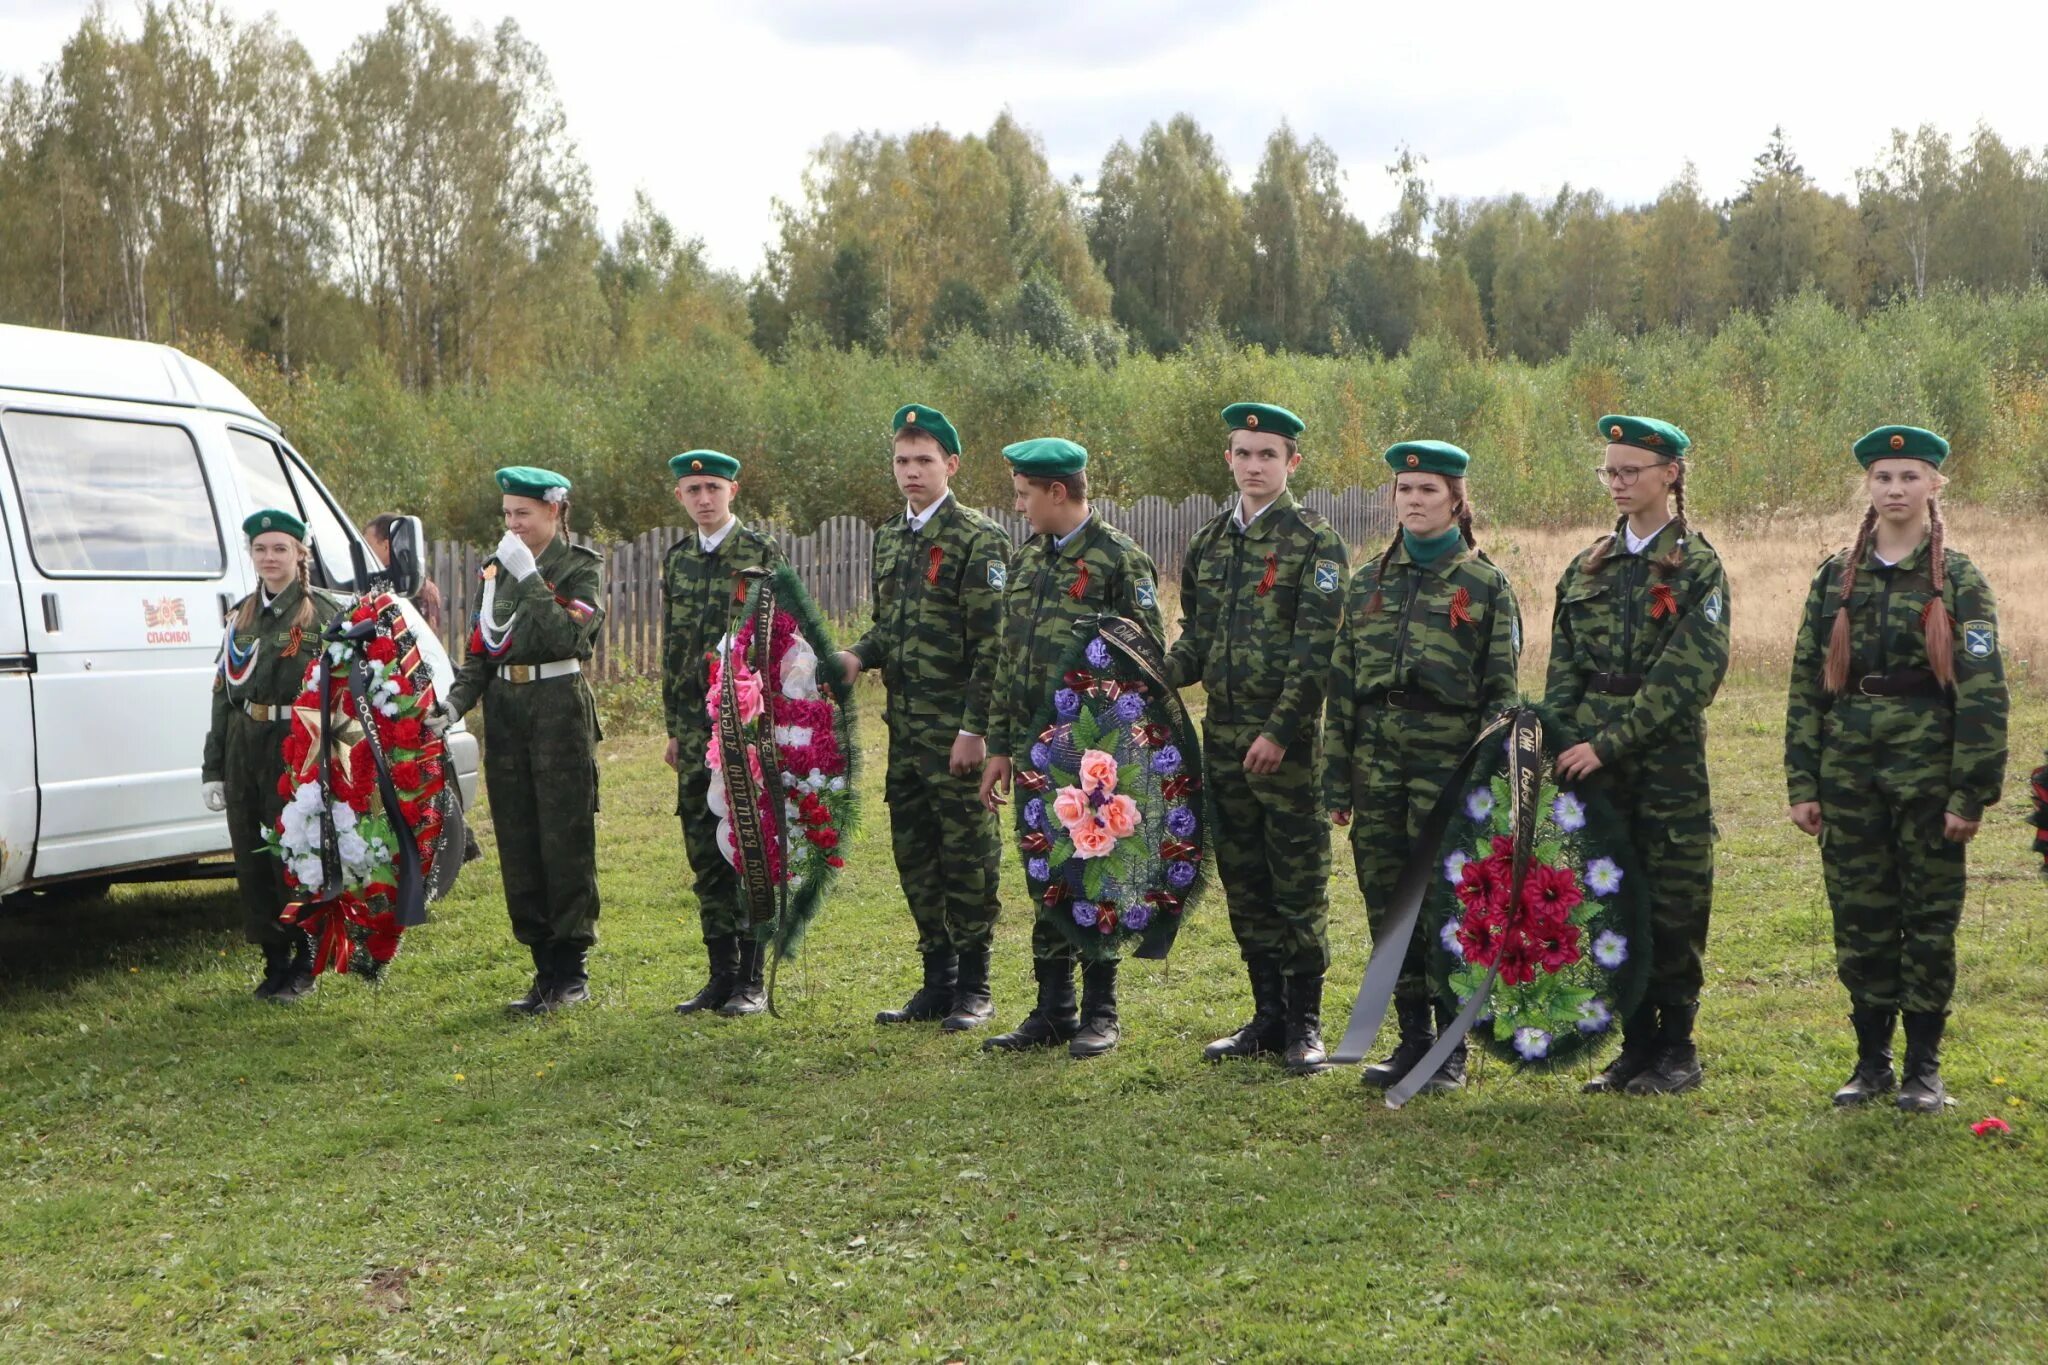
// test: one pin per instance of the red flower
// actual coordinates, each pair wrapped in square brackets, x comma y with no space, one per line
[296,746]
[285,788]
[1517,959]
[1480,935]
[1550,894]
[1985,1127]
[383,649]
[825,838]
[1484,884]
[407,776]
[364,612]
[1556,946]
[407,733]
[834,860]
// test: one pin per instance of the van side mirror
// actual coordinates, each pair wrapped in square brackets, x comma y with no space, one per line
[408,567]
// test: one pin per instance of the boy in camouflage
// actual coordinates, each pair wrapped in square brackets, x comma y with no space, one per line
[1638,648]
[700,587]
[939,573]
[1075,567]
[1261,592]
[1431,640]
[1894,745]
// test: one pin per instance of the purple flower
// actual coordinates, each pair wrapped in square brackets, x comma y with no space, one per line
[1084,914]
[1479,802]
[1098,654]
[1569,812]
[1449,935]
[1180,875]
[1038,869]
[1129,707]
[1067,703]
[1594,1017]
[1610,950]
[1034,813]
[1603,877]
[1532,1044]
[1041,757]
[1167,761]
[1454,866]
[1180,822]
[1136,917]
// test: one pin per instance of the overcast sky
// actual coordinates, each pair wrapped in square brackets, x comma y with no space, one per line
[713,108]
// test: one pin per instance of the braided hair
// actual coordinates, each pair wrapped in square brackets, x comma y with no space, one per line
[1456,484]
[1936,626]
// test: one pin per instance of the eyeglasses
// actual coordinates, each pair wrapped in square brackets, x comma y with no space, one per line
[1621,475]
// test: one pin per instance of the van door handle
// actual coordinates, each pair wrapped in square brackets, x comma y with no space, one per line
[17,663]
[53,618]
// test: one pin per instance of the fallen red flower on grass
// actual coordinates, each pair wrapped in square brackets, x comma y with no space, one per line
[1985,1127]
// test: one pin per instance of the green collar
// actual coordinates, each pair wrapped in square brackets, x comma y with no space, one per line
[1912,560]
[1263,524]
[551,560]
[1430,551]
[286,601]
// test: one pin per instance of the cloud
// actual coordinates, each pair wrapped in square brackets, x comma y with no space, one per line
[947,33]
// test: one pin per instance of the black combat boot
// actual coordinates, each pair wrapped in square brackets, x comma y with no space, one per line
[1099,1031]
[277,962]
[543,981]
[750,992]
[1921,1092]
[1676,1068]
[1873,1074]
[569,983]
[972,1004]
[1450,1073]
[934,997]
[1638,1050]
[1055,1019]
[298,980]
[1417,1037]
[723,953]
[1266,1030]
[1304,1013]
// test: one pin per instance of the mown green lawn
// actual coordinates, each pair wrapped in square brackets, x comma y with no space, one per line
[408,1174]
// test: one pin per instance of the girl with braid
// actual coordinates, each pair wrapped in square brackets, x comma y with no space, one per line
[1894,745]
[1425,657]
[1638,648]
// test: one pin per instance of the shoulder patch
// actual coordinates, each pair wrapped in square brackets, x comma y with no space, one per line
[1515,633]
[1980,639]
[1147,595]
[998,575]
[1327,574]
[1713,606]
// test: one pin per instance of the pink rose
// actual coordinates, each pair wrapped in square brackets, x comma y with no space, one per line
[747,687]
[1098,771]
[1091,840]
[1121,815]
[1071,807]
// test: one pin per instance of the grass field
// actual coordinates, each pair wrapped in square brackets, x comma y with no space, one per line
[406,1174]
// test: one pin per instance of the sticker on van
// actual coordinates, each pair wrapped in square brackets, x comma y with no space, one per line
[164,622]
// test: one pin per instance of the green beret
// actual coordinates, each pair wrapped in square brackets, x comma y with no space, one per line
[1645,433]
[1046,457]
[270,519]
[1264,417]
[693,462]
[1427,457]
[1901,443]
[524,481]
[918,417]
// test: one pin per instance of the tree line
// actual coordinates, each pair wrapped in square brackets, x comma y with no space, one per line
[422,206]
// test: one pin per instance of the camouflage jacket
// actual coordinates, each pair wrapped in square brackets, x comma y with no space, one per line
[1635,614]
[938,596]
[552,614]
[700,592]
[1425,638]
[1100,572]
[1259,610]
[275,675]
[1914,746]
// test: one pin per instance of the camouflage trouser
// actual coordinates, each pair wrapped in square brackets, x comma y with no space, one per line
[1673,834]
[1399,769]
[719,910]
[540,767]
[1272,849]
[948,849]
[253,762]
[1896,887]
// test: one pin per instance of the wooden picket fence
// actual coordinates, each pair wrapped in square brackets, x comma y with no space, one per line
[833,563]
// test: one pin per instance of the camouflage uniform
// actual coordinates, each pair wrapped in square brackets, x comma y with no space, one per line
[938,607]
[1040,613]
[1410,689]
[1259,611]
[701,590]
[540,746]
[1633,668]
[1886,769]
[246,755]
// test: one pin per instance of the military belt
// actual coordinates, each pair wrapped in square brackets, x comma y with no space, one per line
[1615,684]
[263,713]
[528,673]
[1906,682]
[1408,699]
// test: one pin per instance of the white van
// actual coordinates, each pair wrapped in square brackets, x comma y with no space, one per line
[126,470]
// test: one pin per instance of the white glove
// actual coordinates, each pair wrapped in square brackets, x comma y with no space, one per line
[439,719]
[214,794]
[515,558]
